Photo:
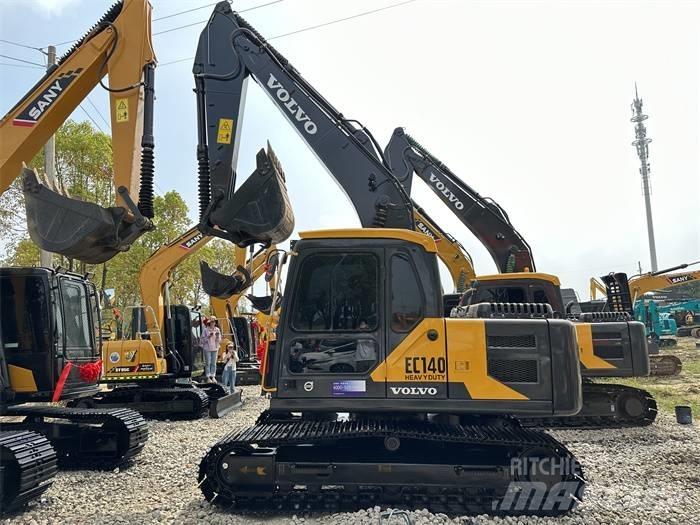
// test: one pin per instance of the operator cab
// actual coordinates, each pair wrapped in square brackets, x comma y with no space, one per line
[524,287]
[49,318]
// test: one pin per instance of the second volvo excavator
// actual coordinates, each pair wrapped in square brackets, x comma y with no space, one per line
[611,345]
[427,401]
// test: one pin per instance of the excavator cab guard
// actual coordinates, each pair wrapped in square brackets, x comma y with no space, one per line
[223,286]
[618,292]
[258,212]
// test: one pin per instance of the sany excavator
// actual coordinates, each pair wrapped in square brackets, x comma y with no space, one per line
[611,345]
[428,402]
[49,327]
[225,292]
[119,45]
[155,362]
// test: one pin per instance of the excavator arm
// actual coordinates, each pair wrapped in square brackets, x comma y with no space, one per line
[231,52]
[482,215]
[119,45]
[641,284]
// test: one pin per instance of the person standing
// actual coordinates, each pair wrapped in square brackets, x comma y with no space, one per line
[229,374]
[211,338]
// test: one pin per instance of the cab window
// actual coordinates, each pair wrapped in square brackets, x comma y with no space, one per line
[506,294]
[332,356]
[337,292]
[24,323]
[539,296]
[406,294]
[76,314]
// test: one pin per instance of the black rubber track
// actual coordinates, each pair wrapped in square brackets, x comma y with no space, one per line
[126,427]
[28,466]
[613,397]
[502,441]
[136,395]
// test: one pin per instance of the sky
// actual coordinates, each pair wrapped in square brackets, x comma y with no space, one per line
[527,102]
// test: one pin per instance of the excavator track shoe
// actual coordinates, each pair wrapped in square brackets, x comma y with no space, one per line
[27,467]
[260,210]
[77,229]
[181,402]
[305,464]
[605,406]
[223,286]
[84,437]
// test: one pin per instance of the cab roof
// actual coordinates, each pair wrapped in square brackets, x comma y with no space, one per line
[534,276]
[373,233]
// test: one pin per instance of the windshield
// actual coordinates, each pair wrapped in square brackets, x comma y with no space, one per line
[24,322]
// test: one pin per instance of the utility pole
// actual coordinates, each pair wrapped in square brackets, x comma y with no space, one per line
[642,145]
[49,158]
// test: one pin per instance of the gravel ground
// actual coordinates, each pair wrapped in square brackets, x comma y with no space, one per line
[636,476]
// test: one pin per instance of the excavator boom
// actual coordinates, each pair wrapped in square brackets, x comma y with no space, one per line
[119,45]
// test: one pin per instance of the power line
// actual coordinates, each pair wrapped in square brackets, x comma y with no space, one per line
[303,29]
[186,25]
[183,12]
[20,65]
[204,21]
[92,119]
[22,60]
[341,19]
[98,112]
[19,45]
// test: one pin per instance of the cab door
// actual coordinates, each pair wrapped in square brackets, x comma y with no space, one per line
[416,362]
[332,343]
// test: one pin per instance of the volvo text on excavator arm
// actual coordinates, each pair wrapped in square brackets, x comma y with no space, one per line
[482,215]
[119,45]
[230,52]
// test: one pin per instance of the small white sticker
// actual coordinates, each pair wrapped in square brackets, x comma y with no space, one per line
[114,357]
[309,386]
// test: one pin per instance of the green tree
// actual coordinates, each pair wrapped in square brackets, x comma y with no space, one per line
[170,222]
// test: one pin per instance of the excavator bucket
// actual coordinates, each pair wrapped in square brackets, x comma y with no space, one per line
[259,211]
[264,303]
[77,229]
[223,286]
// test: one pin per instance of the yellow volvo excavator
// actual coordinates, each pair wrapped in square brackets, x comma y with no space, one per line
[426,402]
[49,335]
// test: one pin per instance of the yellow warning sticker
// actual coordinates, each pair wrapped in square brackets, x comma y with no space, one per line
[121,108]
[225,132]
